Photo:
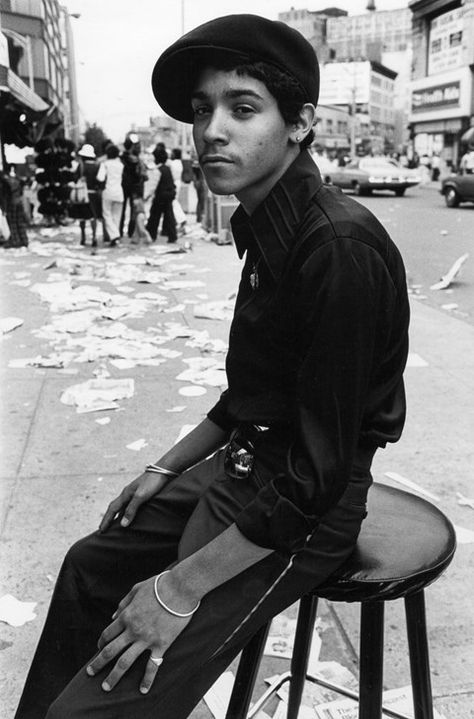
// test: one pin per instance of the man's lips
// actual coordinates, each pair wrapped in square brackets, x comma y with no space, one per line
[215,159]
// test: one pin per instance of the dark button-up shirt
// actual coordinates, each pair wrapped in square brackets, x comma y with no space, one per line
[317,348]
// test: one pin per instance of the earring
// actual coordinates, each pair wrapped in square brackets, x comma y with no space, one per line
[297,138]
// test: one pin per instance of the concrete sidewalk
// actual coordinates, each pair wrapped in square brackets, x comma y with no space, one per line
[60,469]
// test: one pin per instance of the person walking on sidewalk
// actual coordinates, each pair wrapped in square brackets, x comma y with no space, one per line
[91,209]
[176,167]
[264,499]
[162,203]
[110,175]
[11,203]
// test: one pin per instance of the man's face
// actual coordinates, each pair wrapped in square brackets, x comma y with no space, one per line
[241,138]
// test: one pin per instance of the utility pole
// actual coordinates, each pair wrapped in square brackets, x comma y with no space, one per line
[353,113]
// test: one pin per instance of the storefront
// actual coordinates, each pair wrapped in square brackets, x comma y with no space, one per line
[442,98]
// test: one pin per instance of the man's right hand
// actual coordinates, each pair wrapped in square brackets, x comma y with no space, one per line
[131,497]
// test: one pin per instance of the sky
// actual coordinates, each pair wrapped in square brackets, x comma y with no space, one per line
[117,43]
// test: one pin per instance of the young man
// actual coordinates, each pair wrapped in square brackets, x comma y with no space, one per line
[195,554]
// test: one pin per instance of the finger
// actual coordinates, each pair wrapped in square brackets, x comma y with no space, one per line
[109,515]
[124,603]
[107,654]
[151,671]
[110,633]
[131,509]
[122,665]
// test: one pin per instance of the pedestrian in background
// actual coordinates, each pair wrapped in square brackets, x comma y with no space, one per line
[201,190]
[87,207]
[110,175]
[134,177]
[11,202]
[176,166]
[467,161]
[162,204]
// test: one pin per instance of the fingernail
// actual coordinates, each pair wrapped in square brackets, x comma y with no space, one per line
[114,615]
[124,522]
[90,671]
[144,690]
[105,687]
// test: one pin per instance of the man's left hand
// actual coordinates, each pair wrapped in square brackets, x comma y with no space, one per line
[138,625]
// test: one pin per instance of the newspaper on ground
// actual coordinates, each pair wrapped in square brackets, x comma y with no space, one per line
[281,637]
[15,612]
[217,697]
[8,324]
[464,501]
[451,274]
[98,394]
[399,700]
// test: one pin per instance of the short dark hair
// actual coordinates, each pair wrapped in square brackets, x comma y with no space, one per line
[288,93]
[160,155]
[112,151]
[176,153]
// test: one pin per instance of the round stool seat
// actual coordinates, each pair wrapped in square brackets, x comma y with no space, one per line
[404,545]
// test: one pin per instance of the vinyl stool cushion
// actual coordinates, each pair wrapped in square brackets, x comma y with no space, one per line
[404,545]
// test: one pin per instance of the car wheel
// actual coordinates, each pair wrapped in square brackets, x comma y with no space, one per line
[400,191]
[451,197]
[327,180]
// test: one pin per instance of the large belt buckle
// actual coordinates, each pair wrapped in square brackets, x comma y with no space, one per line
[239,457]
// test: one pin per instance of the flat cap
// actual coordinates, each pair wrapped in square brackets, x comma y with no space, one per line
[250,37]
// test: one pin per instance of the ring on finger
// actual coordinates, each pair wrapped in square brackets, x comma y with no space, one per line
[156,660]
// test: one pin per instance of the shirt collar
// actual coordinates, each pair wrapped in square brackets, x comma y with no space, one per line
[274,224]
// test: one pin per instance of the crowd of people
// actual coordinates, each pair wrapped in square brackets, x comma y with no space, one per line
[117,192]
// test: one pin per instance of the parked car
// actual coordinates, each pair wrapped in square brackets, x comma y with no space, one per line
[366,174]
[458,188]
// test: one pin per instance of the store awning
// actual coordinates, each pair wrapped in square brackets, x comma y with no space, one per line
[11,83]
[468,136]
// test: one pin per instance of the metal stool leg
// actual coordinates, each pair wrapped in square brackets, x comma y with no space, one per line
[247,674]
[301,651]
[419,656]
[371,660]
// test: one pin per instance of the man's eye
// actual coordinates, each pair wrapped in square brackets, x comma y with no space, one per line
[200,110]
[244,110]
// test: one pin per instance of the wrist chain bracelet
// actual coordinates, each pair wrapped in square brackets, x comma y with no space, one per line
[161,470]
[165,606]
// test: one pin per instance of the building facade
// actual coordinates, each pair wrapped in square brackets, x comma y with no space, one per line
[367,36]
[442,86]
[39,44]
[366,89]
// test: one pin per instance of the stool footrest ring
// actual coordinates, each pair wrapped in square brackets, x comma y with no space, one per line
[286,677]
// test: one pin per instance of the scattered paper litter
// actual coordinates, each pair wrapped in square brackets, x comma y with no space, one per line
[182,284]
[214,310]
[98,394]
[15,612]
[408,483]
[185,429]
[450,306]
[103,420]
[192,390]
[397,700]
[464,501]
[218,696]
[7,324]
[451,274]
[464,536]
[281,637]
[179,408]
[414,360]
[137,445]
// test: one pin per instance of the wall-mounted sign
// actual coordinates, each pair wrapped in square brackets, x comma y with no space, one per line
[446,41]
[435,97]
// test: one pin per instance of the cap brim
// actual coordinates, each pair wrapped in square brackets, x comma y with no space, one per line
[174,77]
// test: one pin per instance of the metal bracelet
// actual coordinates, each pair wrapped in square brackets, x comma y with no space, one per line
[165,606]
[161,470]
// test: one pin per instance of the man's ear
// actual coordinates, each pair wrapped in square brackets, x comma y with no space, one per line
[306,121]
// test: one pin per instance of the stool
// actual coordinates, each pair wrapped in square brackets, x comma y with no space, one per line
[405,544]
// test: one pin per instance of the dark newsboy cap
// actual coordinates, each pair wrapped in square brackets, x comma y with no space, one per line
[251,37]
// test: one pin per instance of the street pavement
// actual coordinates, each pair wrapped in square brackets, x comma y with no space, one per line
[60,467]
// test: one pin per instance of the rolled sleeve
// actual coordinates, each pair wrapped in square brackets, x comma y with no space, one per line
[219,413]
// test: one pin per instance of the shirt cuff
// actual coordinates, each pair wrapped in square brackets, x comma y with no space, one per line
[273,522]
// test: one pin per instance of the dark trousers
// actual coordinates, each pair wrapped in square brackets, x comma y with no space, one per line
[157,209]
[100,569]
[127,199]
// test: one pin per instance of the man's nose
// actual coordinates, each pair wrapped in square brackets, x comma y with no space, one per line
[216,129]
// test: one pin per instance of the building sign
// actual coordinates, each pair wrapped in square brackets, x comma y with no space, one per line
[433,98]
[446,41]
[343,83]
